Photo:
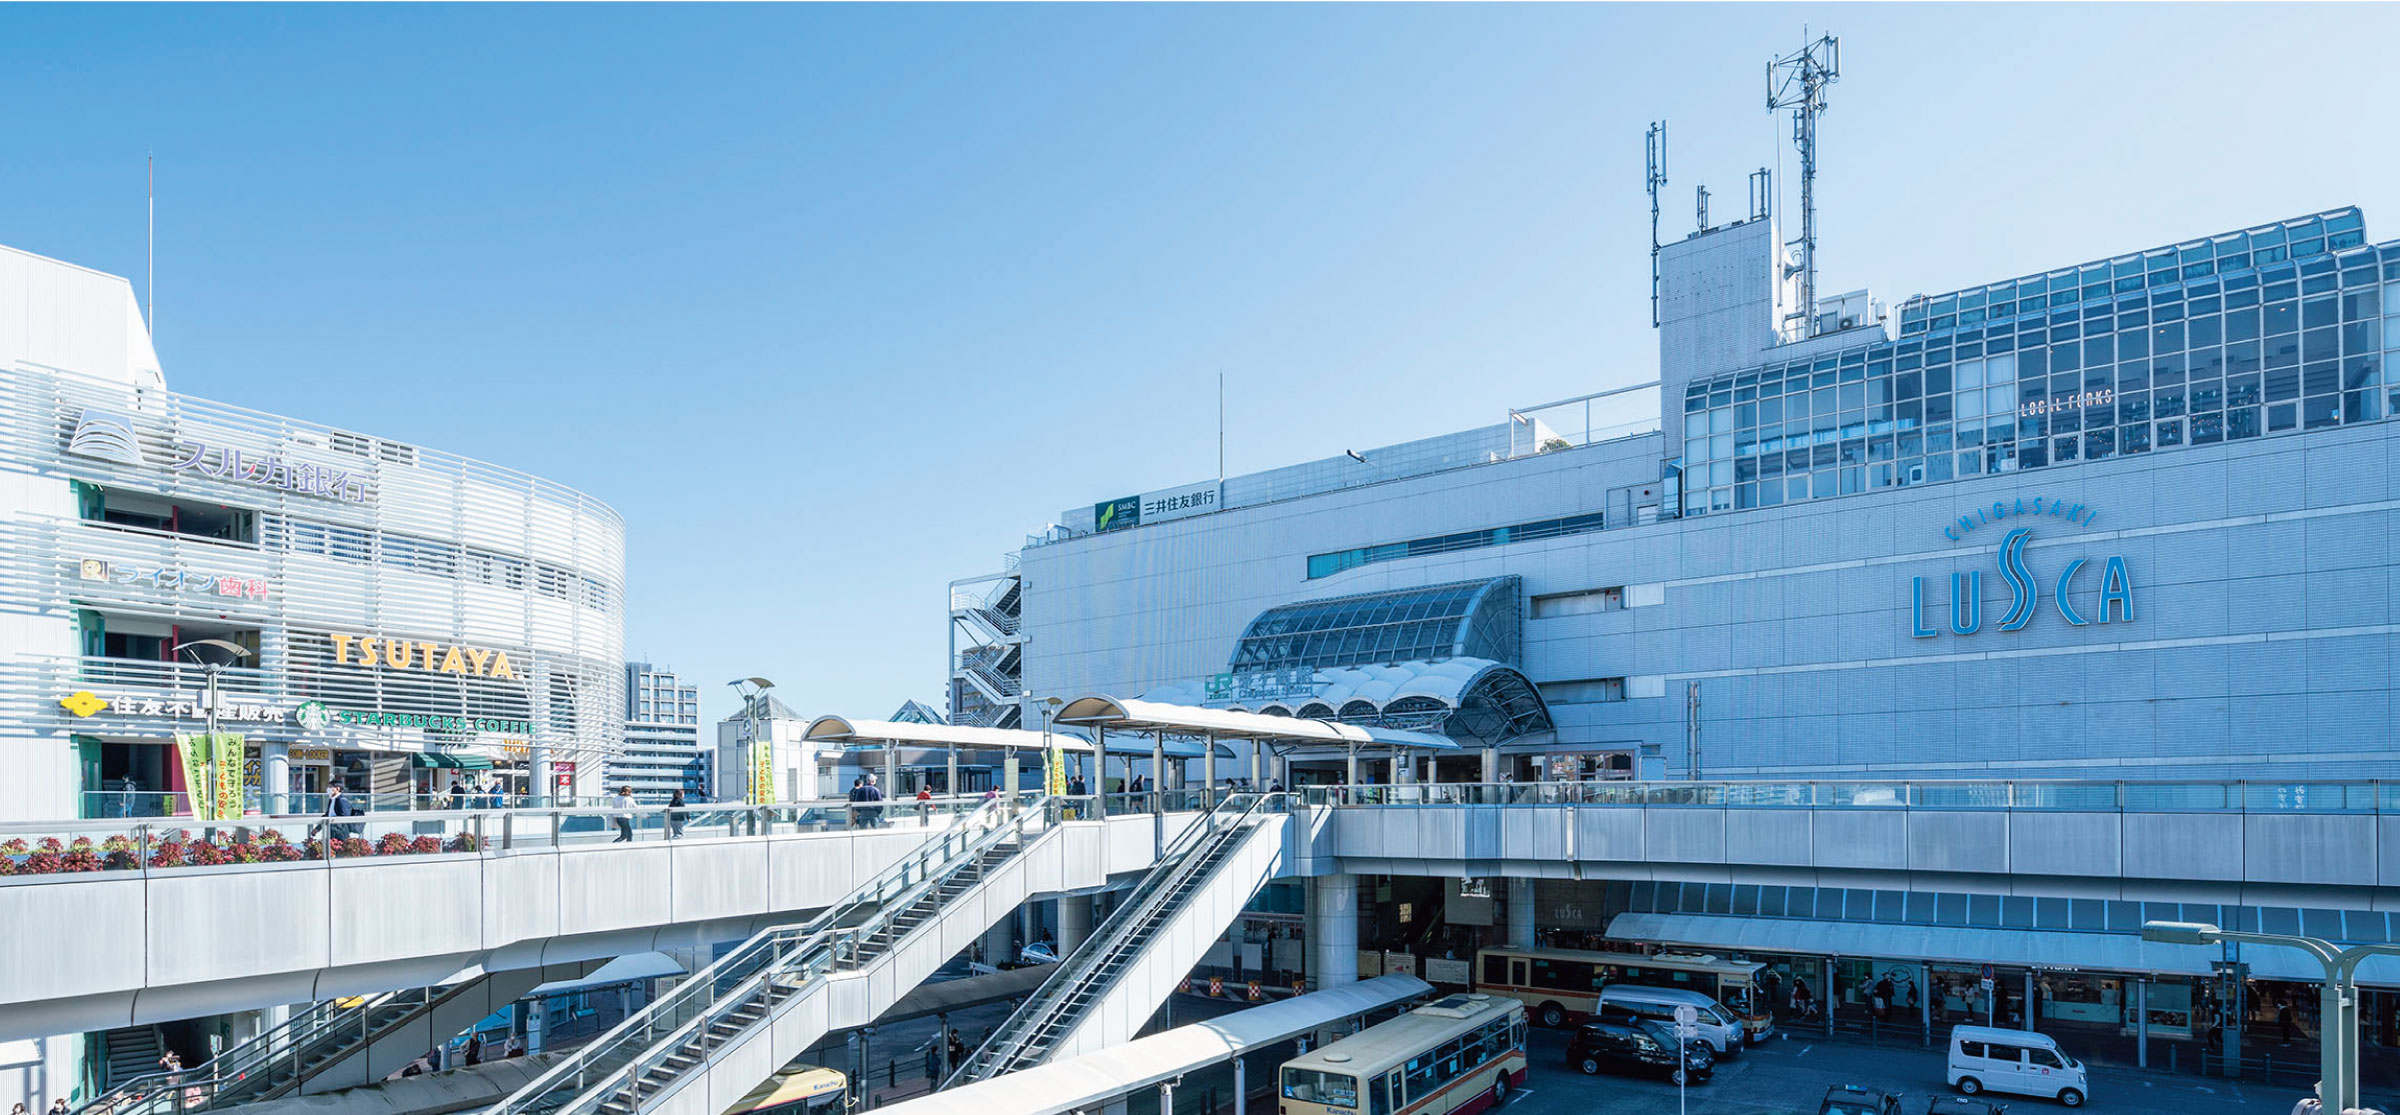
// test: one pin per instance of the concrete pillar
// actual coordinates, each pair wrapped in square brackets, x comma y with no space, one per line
[1074,923]
[1258,765]
[1158,760]
[950,781]
[1332,931]
[274,778]
[891,771]
[1099,785]
[1350,767]
[2141,1023]
[1208,771]
[998,948]
[1925,1002]
[2025,1005]
[1491,764]
[537,762]
[1241,1086]
[1009,778]
[1520,913]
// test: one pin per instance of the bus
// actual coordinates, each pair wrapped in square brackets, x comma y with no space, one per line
[797,1090]
[1455,1056]
[1563,985]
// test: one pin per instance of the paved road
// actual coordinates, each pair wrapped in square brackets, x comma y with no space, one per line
[1791,1075]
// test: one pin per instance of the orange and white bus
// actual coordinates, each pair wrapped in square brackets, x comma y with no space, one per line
[1563,985]
[1455,1056]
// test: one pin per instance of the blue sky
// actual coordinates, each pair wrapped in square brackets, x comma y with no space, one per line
[836,304]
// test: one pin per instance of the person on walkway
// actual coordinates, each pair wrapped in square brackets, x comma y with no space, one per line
[1768,986]
[933,1059]
[458,795]
[1884,991]
[958,1050]
[676,815]
[872,816]
[621,811]
[1804,1005]
[924,805]
[58,1107]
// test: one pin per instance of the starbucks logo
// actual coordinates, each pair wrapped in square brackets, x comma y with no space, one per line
[312,715]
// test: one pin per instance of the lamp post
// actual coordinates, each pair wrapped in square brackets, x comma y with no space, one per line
[2337,1022]
[210,766]
[754,691]
[1051,759]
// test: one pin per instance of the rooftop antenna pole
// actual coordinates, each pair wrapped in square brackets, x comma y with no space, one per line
[1797,82]
[150,256]
[1761,184]
[1658,179]
[1220,438]
[1702,198]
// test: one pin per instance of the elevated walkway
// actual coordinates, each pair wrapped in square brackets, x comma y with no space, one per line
[701,1047]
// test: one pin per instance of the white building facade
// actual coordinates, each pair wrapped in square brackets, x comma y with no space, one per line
[662,752]
[406,616]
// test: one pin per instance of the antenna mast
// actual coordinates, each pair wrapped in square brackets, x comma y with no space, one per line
[150,253]
[1658,180]
[1797,82]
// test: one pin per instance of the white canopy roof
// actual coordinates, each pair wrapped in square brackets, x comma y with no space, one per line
[1082,1083]
[837,729]
[1137,715]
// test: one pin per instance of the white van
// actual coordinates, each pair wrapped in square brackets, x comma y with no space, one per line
[1718,1027]
[2019,1061]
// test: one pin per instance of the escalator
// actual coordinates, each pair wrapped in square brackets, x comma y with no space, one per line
[1118,972]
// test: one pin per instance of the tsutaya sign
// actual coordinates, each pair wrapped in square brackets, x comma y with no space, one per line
[2110,601]
[402,654]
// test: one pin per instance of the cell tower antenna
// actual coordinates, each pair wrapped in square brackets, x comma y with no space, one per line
[1658,181]
[1797,81]
[1700,206]
[1761,203]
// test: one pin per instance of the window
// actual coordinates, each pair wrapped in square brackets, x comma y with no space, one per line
[1495,970]
[1579,603]
[1311,1086]
[1591,691]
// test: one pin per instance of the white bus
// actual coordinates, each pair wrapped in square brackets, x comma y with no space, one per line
[1563,985]
[1456,1056]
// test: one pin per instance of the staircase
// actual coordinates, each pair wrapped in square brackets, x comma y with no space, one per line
[714,1017]
[1047,1021]
[130,1052]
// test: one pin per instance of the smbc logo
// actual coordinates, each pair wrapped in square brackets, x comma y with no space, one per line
[2113,599]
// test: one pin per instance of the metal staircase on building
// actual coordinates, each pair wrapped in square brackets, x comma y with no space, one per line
[279,1060]
[987,640]
[713,1016]
[1085,977]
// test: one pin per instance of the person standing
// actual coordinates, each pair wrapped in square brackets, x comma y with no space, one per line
[1803,1003]
[621,811]
[874,813]
[458,795]
[1884,991]
[924,805]
[58,1107]
[675,815]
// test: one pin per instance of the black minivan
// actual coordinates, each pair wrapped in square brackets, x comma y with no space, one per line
[1644,1047]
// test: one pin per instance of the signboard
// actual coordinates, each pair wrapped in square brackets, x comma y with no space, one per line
[1253,686]
[1054,770]
[227,462]
[1459,972]
[84,704]
[1116,514]
[187,581]
[762,771]
[404,654]
[2109,600]
[446,725]
[212,774]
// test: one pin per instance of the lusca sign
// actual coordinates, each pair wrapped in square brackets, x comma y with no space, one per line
[2104,597]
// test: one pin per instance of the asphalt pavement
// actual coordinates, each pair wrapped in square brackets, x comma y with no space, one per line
[1791,1074]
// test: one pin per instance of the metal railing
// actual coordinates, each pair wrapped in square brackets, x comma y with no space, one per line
[771,968]
[1010,1042]
[66,850]
[257,1068]
[2366,797]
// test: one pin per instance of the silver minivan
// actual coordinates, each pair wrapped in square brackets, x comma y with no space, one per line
[1718,1028]
[2019,1061]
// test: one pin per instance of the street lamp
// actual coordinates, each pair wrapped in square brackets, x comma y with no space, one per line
[210,766]
[752,697]
[2337,1023]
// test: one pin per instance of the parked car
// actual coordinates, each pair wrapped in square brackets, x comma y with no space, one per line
[2020,1061]
[1850,1099]
[1642,1049]
[1719,1028]
[1964,1105]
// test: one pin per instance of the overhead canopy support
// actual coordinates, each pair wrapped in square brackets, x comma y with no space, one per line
[1194,720]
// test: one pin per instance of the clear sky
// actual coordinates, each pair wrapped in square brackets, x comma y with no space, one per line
[836,304]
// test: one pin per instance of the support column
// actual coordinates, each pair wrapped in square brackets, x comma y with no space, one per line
[2025,1005]
[274,778]
[1008,774]
[1241,1086]
[538,762]
[997,948]
[1825,996]
[1099,785]
[950,763]
[1491,764]
[1258,764]
[1158,762]
[866,1081]
[1208,771]
[891,772]
[1074,923]
[1925,1001]
[1520,913]
[2141,1023]
[1349,770]
[1332,931]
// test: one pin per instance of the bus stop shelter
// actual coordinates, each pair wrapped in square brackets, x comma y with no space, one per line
[1159,720]
[1095,1082]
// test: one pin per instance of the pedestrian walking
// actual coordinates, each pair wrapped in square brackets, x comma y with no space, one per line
[873,814]
[924,805]
[676,815]
[58,1107]
[621,811]
[17,1110]
[1804,1004]
[1883,999]
[933,1059]
[458,795]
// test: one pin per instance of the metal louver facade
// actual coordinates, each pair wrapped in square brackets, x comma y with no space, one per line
[399,599]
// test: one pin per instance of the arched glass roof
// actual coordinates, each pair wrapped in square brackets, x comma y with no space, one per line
[1462,619]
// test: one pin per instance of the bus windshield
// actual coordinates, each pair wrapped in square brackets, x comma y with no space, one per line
[1329,1088]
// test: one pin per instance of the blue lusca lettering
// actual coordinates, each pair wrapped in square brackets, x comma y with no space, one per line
[2115,598]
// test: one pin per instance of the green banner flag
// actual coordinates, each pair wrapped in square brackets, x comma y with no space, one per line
[762,771]
[212,774]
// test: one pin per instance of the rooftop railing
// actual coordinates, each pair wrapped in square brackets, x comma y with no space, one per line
[2371,797]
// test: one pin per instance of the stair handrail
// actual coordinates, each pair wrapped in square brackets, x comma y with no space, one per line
[1006,1039]
[807,950]
[174,1090]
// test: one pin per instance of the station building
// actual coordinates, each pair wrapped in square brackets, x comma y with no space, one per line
[382,614]
[2131,518]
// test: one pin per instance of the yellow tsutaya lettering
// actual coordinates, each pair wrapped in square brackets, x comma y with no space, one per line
[475,660]
[398,652]
[366,651]
[500,666]
[451,664]
[341,650]
[428,650]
